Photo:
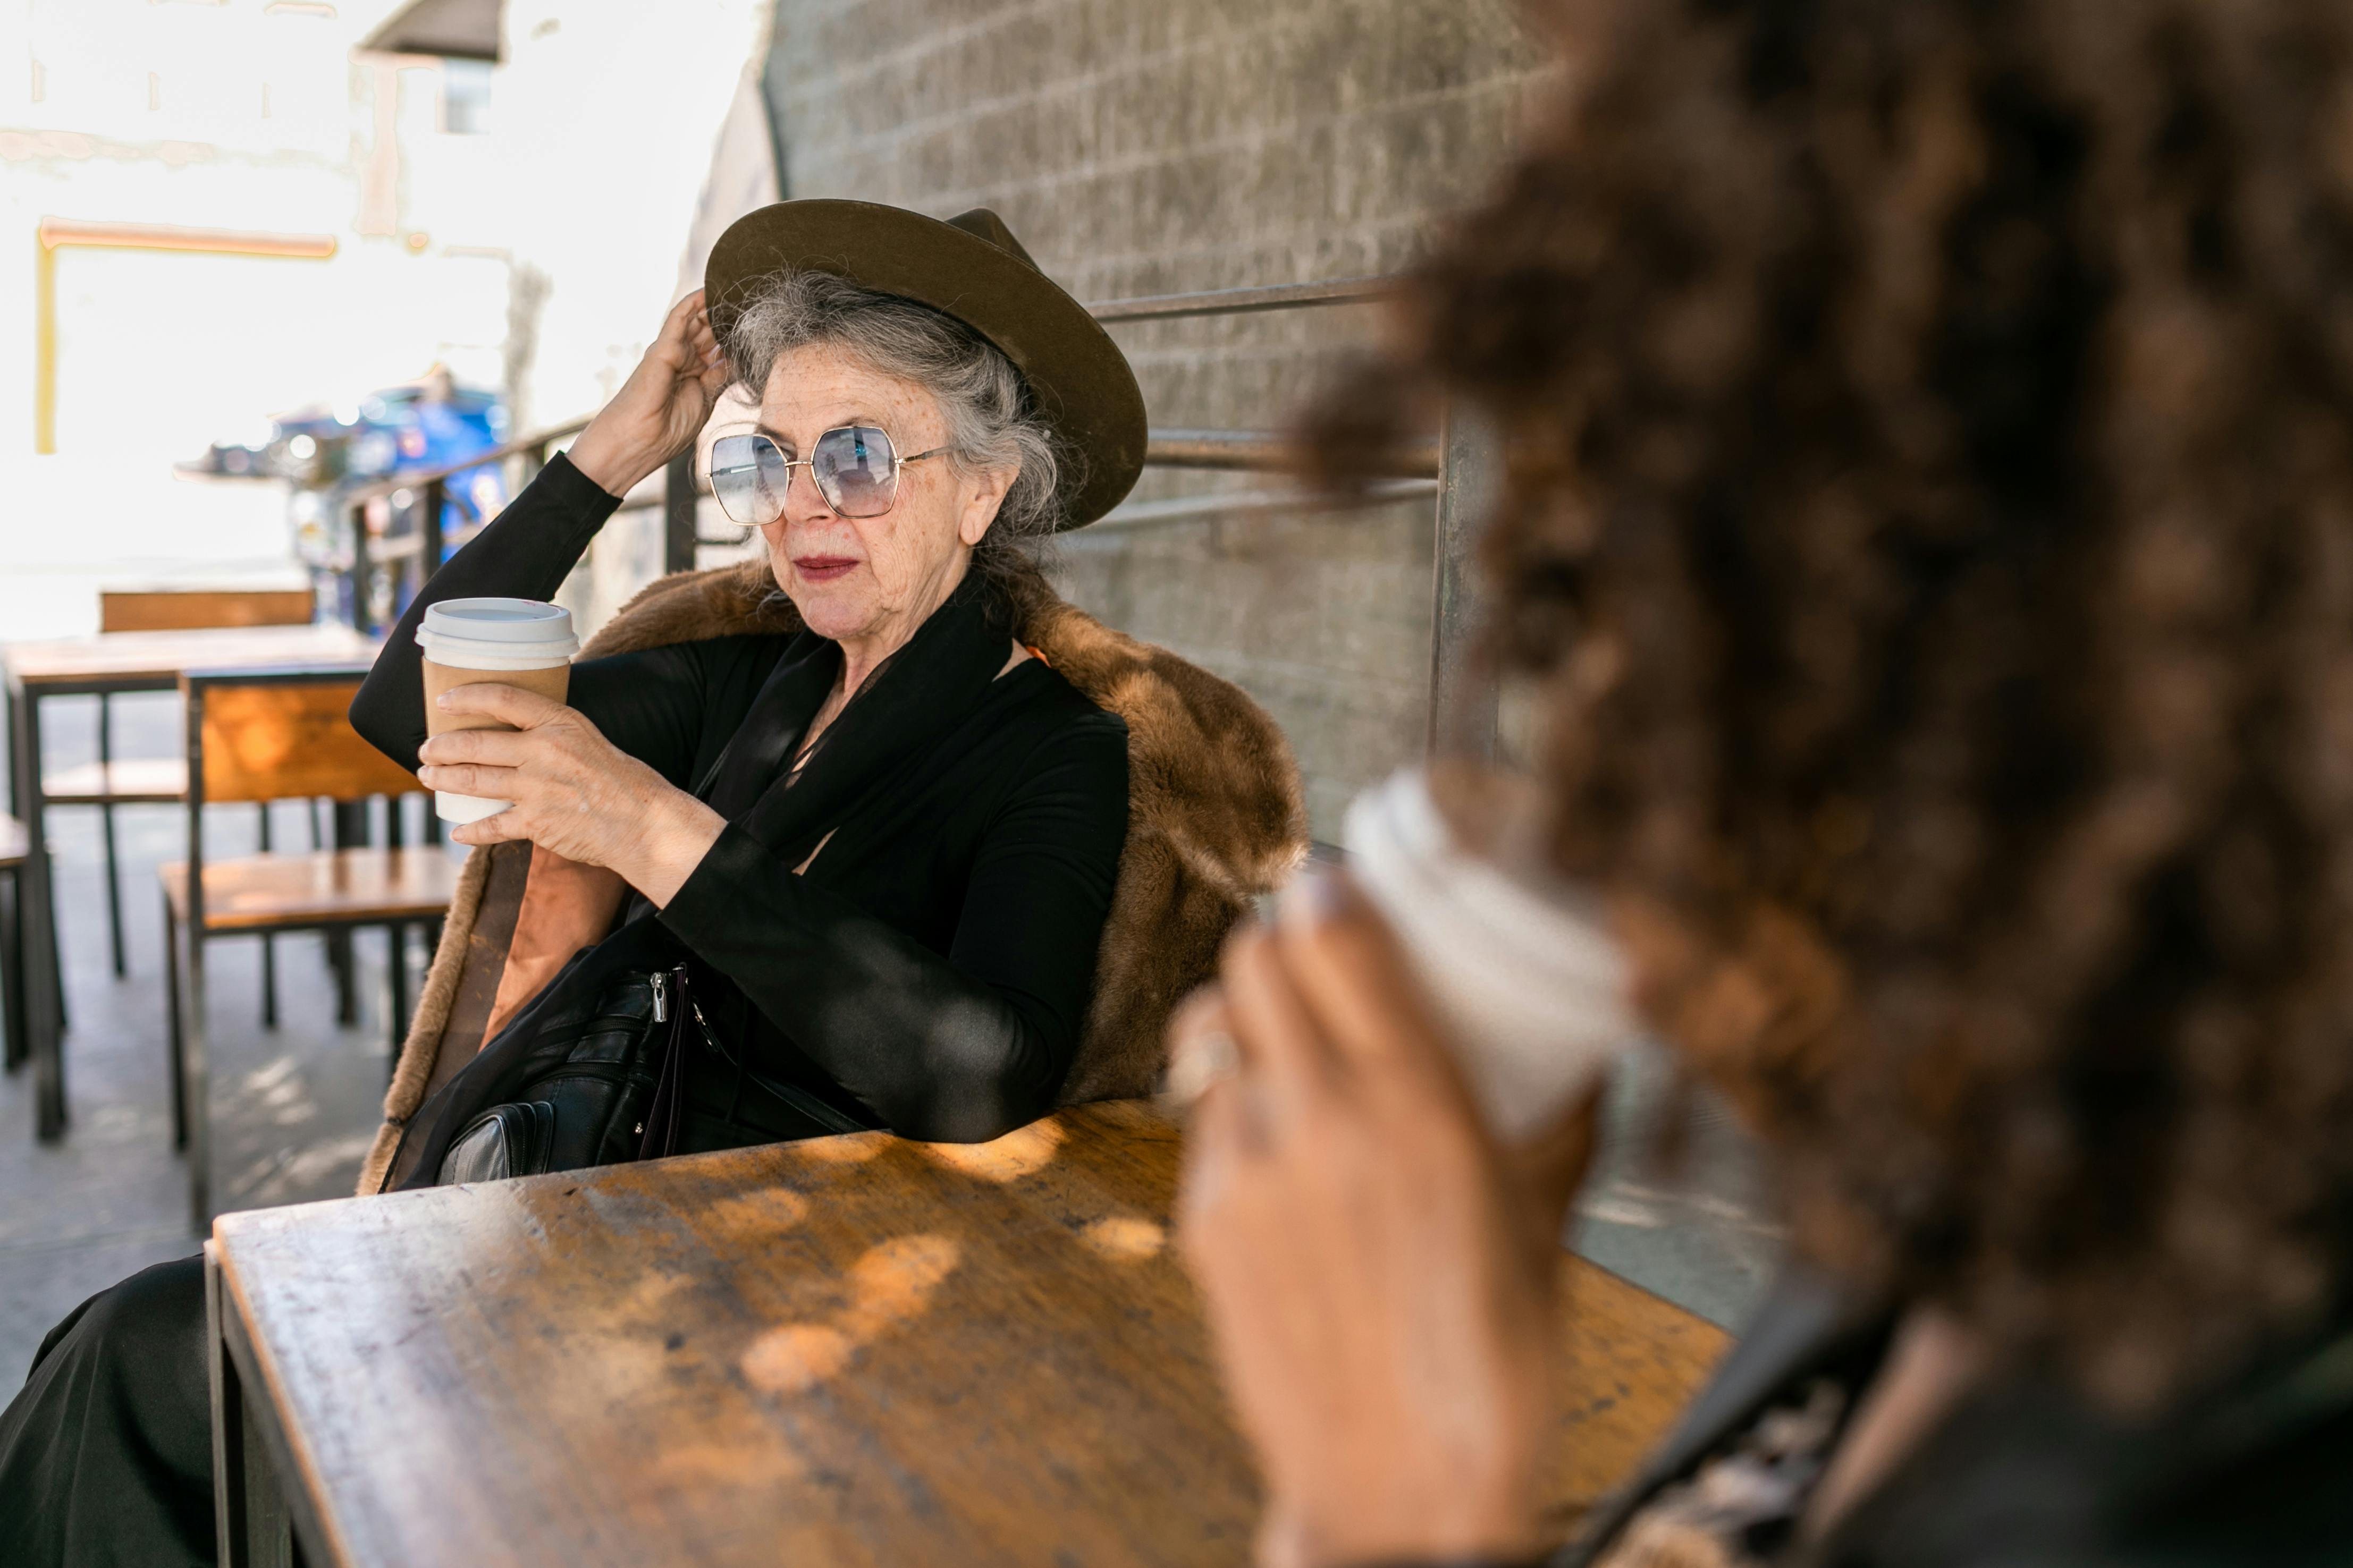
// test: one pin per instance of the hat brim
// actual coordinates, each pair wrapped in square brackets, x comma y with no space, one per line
[1084,386]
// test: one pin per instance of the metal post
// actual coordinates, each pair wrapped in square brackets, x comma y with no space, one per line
[13,961]
[195,1047]
[363,591]
[36,910]
[268,946]
[677,514]
[253,1524]
[350,833]
[1462,691]
[429,531]
[12,966]
[106,830]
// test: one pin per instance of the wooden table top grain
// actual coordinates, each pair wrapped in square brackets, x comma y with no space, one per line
[159,657]
[849,1350]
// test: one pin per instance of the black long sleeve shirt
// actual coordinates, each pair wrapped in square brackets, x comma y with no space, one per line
[931,970]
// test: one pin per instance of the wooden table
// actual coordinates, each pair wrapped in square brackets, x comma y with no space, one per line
[110,662]
[852,1351]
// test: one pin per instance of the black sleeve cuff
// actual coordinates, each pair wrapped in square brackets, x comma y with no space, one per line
[568,488]
[710,899]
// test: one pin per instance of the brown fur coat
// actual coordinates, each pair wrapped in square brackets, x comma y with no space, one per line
[1215,818]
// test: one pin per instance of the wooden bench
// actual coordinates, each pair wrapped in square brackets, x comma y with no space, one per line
[849,1351]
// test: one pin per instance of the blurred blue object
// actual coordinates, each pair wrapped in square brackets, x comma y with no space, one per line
[327,453]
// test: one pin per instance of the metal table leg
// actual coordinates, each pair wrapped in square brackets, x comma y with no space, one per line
[1463,698]
[253,1528]
[106,831]
[12,965]
[36,906]
[195,1067]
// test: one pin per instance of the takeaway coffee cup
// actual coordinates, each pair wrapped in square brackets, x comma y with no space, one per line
[515,642]
[1526,979]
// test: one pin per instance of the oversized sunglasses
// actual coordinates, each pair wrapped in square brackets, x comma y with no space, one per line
[854,466]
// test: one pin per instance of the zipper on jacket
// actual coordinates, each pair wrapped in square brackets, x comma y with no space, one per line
[660,978]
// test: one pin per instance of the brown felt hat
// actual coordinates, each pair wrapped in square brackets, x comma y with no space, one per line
[970,267]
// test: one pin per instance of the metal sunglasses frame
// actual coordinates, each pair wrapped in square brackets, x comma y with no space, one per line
[809,462]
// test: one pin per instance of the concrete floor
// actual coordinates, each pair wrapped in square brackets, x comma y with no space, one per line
[293,1109]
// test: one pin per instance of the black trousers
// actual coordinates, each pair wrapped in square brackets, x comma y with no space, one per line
[106,1453]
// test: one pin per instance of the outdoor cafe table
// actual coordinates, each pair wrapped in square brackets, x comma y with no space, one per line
[850,1351]
[110,662]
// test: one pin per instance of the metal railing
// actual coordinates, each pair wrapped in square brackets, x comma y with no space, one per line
[1452,470]
[1267,451]
[1243,301]
[431,489]
[1458,470]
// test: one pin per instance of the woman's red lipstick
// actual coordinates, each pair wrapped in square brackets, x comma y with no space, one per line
[823,568]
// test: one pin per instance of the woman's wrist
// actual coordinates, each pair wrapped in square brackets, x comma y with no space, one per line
[678,833]
[611,461]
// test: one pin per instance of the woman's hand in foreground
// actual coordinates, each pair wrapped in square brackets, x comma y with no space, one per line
[661,408]
[573,791]
[1382,1321]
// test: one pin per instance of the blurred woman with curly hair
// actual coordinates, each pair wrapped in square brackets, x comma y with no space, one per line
[1929,519]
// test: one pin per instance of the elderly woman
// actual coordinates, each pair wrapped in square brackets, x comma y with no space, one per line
[1932,429]
[883,848]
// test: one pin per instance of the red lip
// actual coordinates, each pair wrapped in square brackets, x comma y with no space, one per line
[823,568]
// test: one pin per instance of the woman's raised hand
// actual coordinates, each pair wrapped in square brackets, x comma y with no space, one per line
[1364,1253]
[574,792]
[661,408]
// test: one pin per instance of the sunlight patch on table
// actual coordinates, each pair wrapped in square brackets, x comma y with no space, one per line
[1125,1238]
[889,1284]
[1024,1151]
[768,1209]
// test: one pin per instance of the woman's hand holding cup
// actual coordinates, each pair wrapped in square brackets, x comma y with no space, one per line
[1366,1253]
[661,408]
[1395,1091]
[574,792]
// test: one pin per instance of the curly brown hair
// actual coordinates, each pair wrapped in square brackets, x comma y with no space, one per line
[1931,511]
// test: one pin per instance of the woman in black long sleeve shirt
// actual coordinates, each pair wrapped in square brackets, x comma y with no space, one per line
[886,853]
[928,970]
[883,847]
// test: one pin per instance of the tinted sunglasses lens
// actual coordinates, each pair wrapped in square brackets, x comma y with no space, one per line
[857,470]
[748,476]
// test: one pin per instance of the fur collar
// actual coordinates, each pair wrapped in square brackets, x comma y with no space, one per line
[1216,818]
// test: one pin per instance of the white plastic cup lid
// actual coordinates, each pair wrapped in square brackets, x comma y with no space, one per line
[498,628]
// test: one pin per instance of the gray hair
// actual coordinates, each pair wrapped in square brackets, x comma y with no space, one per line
[991,420]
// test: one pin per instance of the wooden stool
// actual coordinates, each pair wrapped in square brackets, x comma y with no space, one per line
[267,735]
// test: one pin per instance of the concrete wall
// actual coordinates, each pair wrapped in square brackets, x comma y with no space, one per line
[1145,148]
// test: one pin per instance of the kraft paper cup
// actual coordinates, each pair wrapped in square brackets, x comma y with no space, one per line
[514,642]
